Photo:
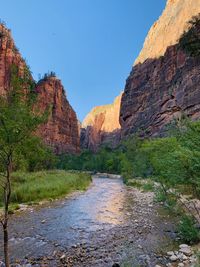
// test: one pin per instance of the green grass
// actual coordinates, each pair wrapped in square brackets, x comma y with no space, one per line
[46,185]
[144,185]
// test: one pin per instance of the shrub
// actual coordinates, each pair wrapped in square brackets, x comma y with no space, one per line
[187,230]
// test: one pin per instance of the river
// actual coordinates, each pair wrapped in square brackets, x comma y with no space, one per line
[109,223]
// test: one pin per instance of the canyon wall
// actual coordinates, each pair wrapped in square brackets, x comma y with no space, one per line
[9,55]
[101,126]
[164,82]
[61,131]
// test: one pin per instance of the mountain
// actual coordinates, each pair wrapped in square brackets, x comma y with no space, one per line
[164,81]
[61,131]
[101,126]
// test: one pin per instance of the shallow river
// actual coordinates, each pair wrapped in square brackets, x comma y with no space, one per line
[109,223]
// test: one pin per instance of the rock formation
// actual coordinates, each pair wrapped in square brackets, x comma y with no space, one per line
[101,126]
[9,55]
[164,82]
[167,30]
[61,130]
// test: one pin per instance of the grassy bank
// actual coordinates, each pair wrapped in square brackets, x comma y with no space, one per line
[46,185]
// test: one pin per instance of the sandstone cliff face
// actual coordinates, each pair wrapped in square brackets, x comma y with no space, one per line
[101,126]
[166,82]
[9,55]
[61,130]
[167,30]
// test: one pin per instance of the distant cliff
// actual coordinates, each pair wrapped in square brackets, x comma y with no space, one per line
[61,130]
[165,81]
[101,126]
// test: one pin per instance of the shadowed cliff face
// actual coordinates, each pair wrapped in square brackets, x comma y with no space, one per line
[162,88]
[101,126]
[61,130]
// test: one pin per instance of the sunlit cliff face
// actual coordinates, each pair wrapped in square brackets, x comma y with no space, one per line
[167,30]
[111,116]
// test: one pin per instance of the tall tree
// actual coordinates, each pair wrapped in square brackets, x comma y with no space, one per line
[18,120]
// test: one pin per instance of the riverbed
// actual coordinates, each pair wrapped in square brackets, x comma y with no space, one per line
[109,223]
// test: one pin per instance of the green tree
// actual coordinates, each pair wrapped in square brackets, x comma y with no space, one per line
[190,40]
[17,123]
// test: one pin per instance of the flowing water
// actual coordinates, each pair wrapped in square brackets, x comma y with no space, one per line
[109,223]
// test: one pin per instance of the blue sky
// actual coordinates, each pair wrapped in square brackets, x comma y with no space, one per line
[90,44]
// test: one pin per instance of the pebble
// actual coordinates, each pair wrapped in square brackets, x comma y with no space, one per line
[63,257]
[185,258]
[173,258]
[2,264]
[186,251]
[181,264]
[170,253]
[43,221]
[183,246]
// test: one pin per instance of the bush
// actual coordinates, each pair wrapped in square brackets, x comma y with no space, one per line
[187,230]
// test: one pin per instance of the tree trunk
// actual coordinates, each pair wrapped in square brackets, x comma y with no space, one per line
[7,193]
[6,255]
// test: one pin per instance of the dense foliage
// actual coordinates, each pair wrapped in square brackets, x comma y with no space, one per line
[173,161]
[190,40]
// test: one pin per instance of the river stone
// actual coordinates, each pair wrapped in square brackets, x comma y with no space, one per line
[173,258]
[170,253]
[186,251]
[181,264]
[2,264]
[63,257]
[183,246]
[185,258]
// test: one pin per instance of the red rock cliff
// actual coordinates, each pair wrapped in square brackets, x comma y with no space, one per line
[101,126]
[9,55]
[61,130]
[164,82]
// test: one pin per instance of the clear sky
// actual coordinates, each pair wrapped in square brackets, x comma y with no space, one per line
[90,44]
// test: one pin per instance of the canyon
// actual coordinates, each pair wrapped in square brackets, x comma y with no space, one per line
[162,86]
[61,130]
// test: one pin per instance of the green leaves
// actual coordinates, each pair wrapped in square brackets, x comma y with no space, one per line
[190,40]
[18,120]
